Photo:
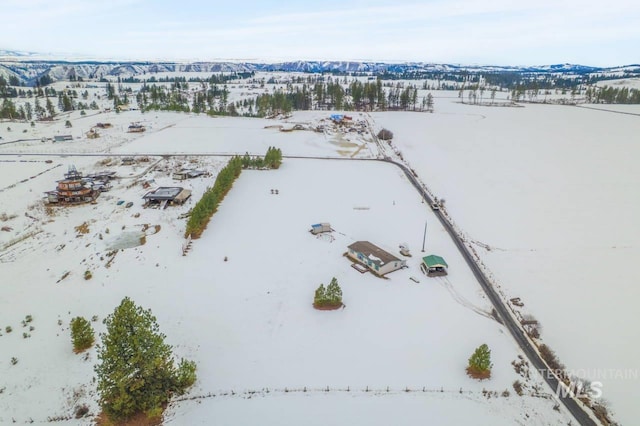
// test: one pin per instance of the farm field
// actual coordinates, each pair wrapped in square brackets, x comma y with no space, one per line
[248,321]
[548,195]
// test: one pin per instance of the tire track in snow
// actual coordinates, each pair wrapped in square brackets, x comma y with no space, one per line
[461,300]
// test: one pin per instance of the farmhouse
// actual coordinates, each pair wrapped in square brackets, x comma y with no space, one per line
[166,195]
[373,257]
[434,266]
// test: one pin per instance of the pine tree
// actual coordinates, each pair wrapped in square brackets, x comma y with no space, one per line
[136,372]
[320,296]
[50,108]
[480,362]
[82,334]
[334,293]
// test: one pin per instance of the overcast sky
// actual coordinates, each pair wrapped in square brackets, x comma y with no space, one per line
[501,32]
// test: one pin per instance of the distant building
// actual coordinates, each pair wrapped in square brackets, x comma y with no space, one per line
[165,195]
[188,174]
[62,138]
[434,266]
[127,161]
[319,228]
[136,128]
[73,189]
[373,257]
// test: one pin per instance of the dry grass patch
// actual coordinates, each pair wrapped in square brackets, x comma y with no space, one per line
[82,229]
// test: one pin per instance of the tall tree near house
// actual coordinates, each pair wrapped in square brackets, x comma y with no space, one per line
[493,95]
[429,102]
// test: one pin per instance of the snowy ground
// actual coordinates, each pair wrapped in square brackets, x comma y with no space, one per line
[552,191]
[248,322]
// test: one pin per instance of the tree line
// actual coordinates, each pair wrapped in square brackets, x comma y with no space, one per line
[612,95]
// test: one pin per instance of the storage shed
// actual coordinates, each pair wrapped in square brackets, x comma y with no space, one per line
[319,228]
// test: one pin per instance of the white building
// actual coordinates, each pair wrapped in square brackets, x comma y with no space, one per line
[373,257]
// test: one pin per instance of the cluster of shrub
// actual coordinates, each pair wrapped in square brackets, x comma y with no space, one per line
[329,297]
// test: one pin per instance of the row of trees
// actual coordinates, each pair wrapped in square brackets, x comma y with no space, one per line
[271,160]
[8,110]
[613,95]
[208,204]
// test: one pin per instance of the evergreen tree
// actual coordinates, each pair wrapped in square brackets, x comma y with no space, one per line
[51,110]
[334,292]
[82,334]
[480,361]
[429,102]
[136,372]
[320,296]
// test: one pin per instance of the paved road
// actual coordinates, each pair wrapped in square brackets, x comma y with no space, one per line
[514,328]
[577,411]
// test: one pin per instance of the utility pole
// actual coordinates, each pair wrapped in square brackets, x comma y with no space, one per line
[424,237]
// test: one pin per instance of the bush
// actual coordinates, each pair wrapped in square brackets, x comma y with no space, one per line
[82,334]
[385,135]
[517,386]
[550,358]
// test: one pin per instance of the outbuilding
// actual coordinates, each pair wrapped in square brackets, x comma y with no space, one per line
[166,195]
[188,174]
[434,266]
[373,257]
[319,228]
[62,138]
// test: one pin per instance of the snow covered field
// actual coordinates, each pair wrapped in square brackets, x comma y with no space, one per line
[552,191]
[248,322]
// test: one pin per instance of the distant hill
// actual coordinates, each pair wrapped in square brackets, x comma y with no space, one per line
[29,66]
